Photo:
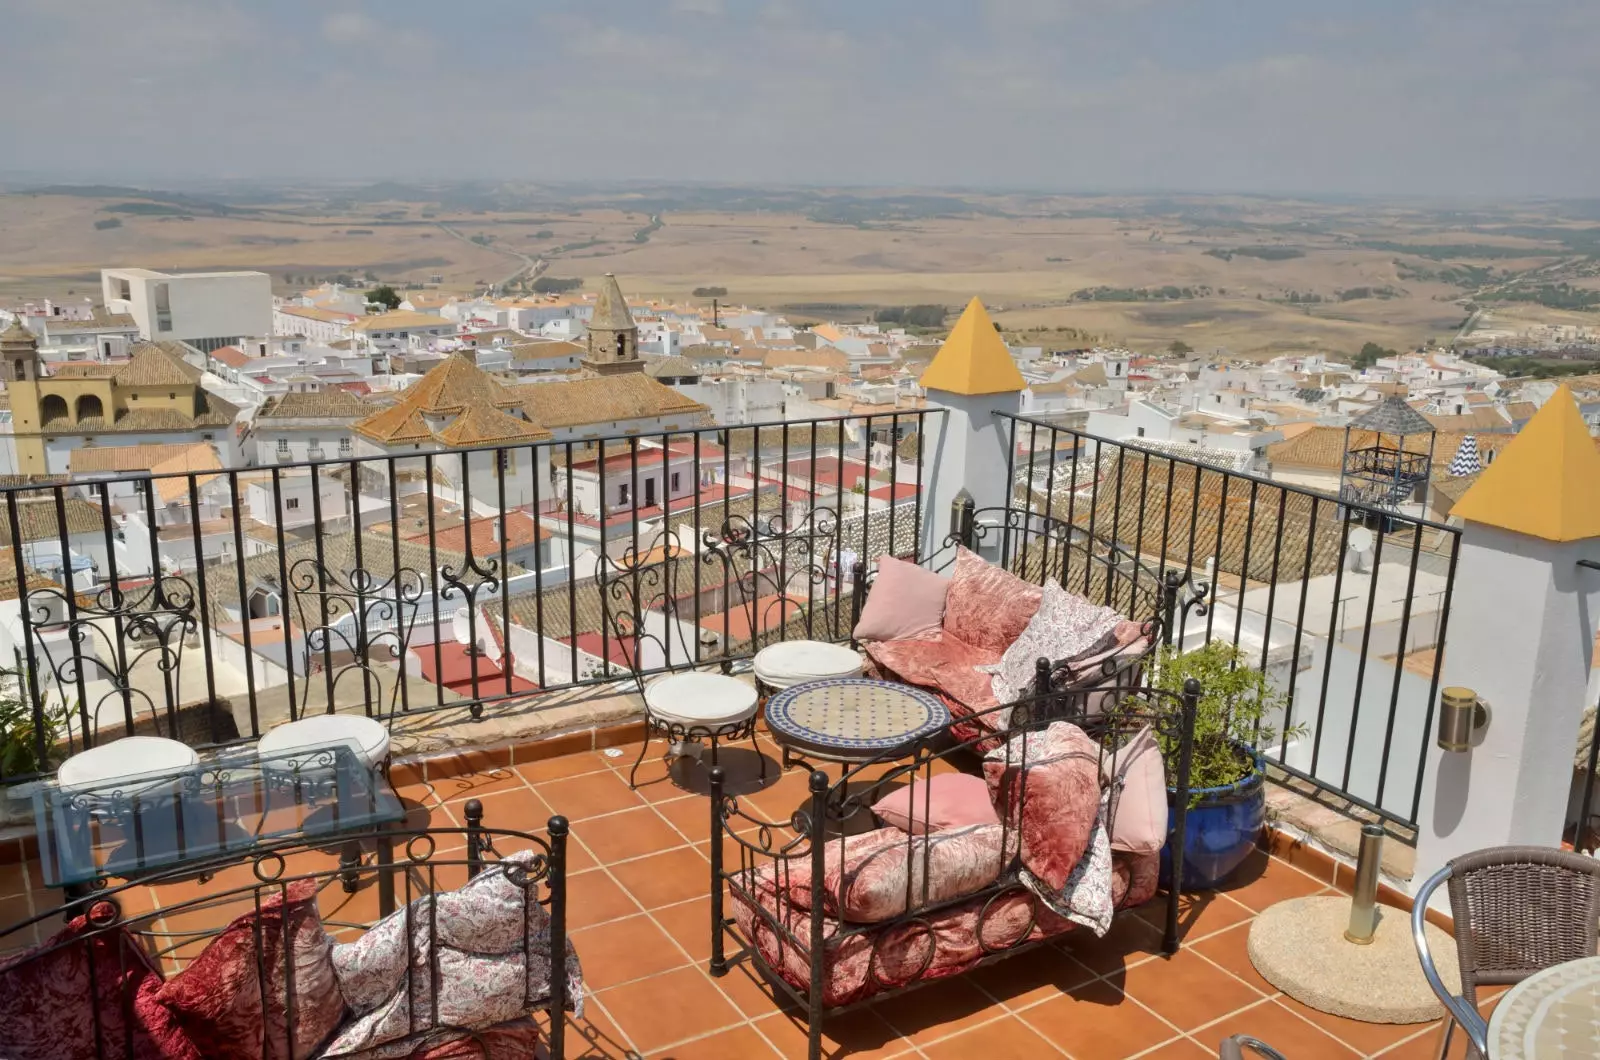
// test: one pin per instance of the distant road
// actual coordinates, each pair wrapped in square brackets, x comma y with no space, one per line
[531,265]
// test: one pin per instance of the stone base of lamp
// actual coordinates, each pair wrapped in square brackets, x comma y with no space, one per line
[1299,947]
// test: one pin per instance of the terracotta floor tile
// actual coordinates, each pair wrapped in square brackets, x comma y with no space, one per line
[736,1043]
[859,1035]
[582,797]
[562,766]
[1200,914]
[1185,989]
[1129,941]
[624,950]
[1231,949]
[595,1037]
[593,897]
[514,809]
[1262,882]
[1180,1049]
[476,785]
[1097,1022]
[1279,1028]
[1425,1045]
[630,834]
[938,1010]
[1366,1038]
[15,879]
[689,923]
[1003,1039]
[1030,977]
[753,995]
[690,815]
[669,1008]
[666,878]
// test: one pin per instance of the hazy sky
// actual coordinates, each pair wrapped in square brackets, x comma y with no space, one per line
[1472,97]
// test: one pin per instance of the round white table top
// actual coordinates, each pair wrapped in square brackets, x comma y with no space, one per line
[794,661]
[320,730]
[1551,1014]
[130,758]
[701,699]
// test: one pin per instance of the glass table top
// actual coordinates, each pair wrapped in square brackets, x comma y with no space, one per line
[229,804]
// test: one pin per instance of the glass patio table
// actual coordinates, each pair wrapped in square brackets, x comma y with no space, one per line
[227,806]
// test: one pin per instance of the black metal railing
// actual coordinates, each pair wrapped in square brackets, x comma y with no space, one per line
[429,582]
[1345,606]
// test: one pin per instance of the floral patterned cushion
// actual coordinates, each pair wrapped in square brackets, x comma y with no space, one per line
[493,965]
[988,607]
[1064,626]
[51,1007]
[1086,897]
[865,876]
[240,987]
[1046,785]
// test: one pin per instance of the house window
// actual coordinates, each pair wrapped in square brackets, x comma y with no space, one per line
[675,475]
[344,446]
[504,463]
[291,503]
[315,444]
[622,494]
[283,446]
[1141,432]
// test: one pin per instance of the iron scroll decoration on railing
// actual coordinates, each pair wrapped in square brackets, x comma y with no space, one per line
[109,634]
[353,613]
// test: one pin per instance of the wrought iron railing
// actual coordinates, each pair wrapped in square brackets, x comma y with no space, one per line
[1345,606]
[428,583]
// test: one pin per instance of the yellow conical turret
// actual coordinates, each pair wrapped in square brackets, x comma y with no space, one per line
[974,359]
[1546,482]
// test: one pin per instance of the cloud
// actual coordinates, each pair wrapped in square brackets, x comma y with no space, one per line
[343,27]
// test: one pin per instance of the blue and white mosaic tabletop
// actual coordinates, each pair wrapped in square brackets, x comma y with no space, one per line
[854,717]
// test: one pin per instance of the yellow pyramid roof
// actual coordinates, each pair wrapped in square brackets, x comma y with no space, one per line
[974,359]
[1546,482]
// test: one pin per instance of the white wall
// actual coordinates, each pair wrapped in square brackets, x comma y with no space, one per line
[203,305]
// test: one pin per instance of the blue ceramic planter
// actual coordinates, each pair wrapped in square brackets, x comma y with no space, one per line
[1220,831]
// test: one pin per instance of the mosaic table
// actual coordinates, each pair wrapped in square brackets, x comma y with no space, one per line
[1553,1013]
[853,719]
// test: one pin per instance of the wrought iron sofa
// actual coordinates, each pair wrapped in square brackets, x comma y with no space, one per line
[787,881]
[453,974]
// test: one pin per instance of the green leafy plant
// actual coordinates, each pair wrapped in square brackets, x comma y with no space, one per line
[1235,702]
[18,743]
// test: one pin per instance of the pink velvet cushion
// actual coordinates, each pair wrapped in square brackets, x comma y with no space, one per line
[868,878]
[1137,777]
[988,607]
[48,1010]
[1046,785]
[949,800]
[940,661]
[906,600]
[238,989]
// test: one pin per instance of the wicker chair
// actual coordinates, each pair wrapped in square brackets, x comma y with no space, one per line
[1517,910]
[1233,1048]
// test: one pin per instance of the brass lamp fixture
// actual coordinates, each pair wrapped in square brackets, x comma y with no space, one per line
[1462,716]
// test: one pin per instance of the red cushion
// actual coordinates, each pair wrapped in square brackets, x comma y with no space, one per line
[988,607]
[941,661]
[1046,785]
[949,800]
[218,1000]
[49,1011]
[512,1040]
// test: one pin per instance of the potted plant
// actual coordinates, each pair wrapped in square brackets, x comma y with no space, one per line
[1227,796]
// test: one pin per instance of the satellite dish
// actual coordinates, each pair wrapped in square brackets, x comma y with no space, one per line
[1360,539]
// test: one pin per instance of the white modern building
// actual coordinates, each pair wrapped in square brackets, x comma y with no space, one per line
[204,309]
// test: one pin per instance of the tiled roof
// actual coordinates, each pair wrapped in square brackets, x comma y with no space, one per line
[84,371]
[36,517]
[1393,416]
[671,367]
[393,425]
[1324,447]
[101,322]
[826,358]
[157,364]
[232,356]
[101,459]
[602,400]
[192,458]
[399,320]
[327,316]
[1173,521]
[483,425]
[1474,420]
[545,351]
[453,385]
[331,404]
[520,529]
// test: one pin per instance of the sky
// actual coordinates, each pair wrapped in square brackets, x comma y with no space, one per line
[1461,98]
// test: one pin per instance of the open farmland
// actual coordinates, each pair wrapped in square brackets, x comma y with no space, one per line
[1258,276]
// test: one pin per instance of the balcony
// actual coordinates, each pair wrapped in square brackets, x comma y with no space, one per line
[509,690]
